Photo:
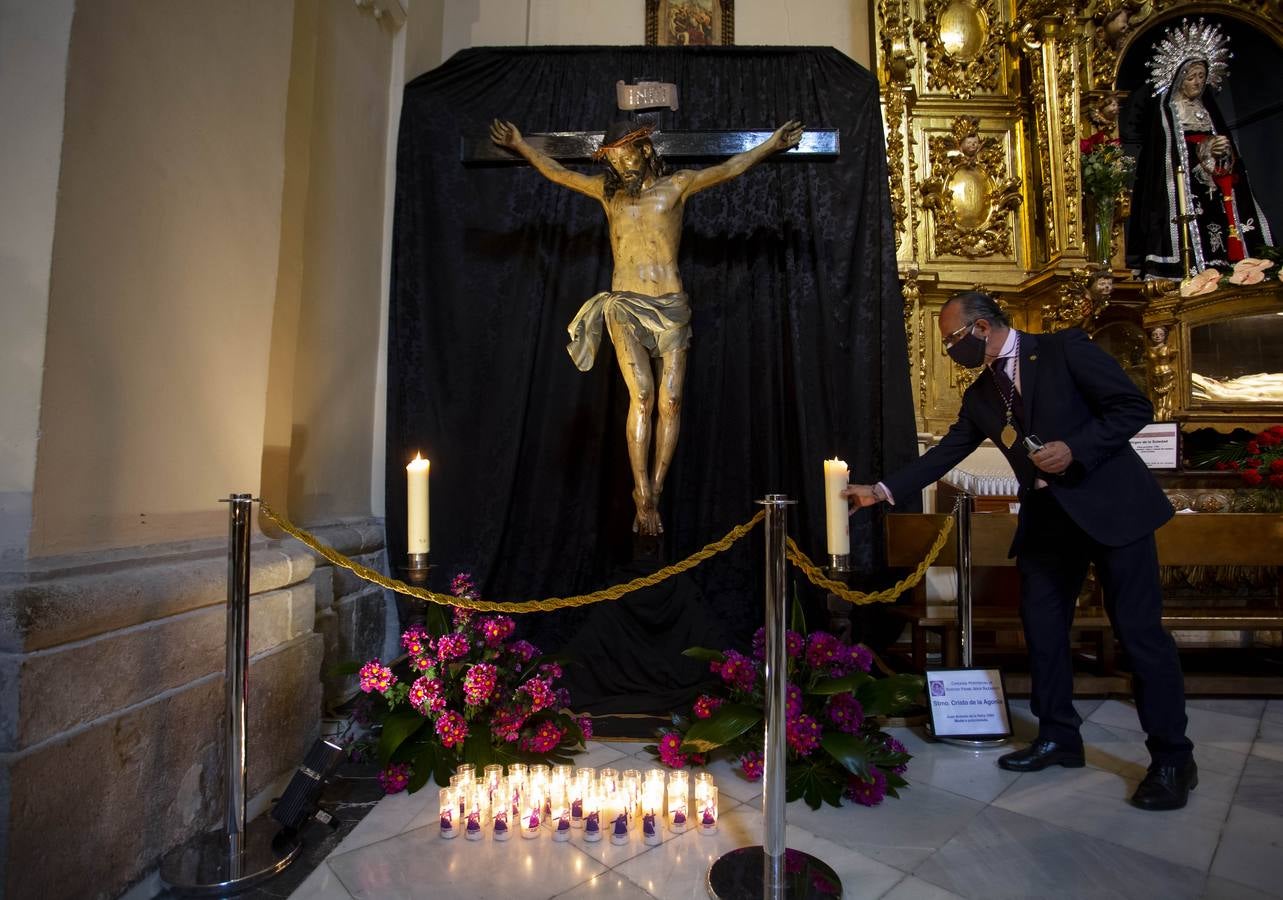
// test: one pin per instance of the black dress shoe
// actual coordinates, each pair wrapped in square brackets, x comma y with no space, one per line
[1041,754]
[1166,786]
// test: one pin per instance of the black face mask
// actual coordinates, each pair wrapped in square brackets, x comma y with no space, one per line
[968,351]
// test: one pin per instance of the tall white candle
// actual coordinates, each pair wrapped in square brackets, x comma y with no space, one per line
[416,477]
[1182,205]
[837,522]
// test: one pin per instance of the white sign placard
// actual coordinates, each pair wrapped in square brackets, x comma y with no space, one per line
[1158,445]
[968,703]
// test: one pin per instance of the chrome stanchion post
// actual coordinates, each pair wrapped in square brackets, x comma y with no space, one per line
[242,854]
[752,872]
[962,510]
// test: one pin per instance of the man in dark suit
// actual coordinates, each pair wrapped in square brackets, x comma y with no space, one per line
[1086,497]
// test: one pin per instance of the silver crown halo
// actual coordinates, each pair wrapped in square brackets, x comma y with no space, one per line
[1189,42]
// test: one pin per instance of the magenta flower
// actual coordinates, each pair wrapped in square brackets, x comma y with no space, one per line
[792,701]
[793,644]
[507,724]
[461,585]
[845,712]
[751,765]
[738,671]
[422,663]
[416,641]
[524,650]
[705,706]
[803,735]
[585,725]
[394,778]
[462,617]
[451,728]
[670,751]
[895,746]
[824,650]
[862,657]
[551,671]
[427,694]
[540,692]
[870,792]
[452,646]
[497,629]
[479,683]
[376,677]
[545,739]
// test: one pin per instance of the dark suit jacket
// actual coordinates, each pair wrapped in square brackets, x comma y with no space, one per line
[1075,392]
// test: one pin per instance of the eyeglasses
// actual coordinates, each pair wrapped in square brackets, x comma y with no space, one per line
[956,335]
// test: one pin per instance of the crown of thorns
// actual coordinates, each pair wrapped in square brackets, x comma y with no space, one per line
[1190,42]
[613,139]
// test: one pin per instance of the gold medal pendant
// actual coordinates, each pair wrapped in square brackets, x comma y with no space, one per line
[1008,436]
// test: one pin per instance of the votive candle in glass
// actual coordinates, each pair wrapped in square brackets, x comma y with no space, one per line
[592,816]
[502,815]
[560,821]
[531,812]
[449,812]
[703,781]
[678,805]
[630,782]
[608,779]
[652,812]
[707,809]
[476,794]
[579,789]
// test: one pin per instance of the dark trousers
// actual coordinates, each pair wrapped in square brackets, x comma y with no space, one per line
[1053,561]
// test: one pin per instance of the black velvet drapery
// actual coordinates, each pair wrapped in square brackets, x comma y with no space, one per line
[798,352]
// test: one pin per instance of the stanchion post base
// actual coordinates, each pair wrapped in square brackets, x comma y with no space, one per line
[203,867]
[738,876]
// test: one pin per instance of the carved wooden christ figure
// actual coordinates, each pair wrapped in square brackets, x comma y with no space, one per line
[646,311]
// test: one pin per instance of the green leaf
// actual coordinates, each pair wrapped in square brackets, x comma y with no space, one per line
[823,687]
[812,783]
[798,618]
[446,762]
[886,696]
[729,722]
[705,654]
[423,764]
[338,670]
[476,748]
[397,727]
[436,619]
[849,750]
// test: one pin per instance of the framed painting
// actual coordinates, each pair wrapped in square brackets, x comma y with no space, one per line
[690,23]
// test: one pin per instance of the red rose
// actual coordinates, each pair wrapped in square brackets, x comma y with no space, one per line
[1276,429]
[1251,478]
[1268,438]
[1276,465]
[1234,464]
[1276,481]
[1253,448]
[1222,466]
[1253,463]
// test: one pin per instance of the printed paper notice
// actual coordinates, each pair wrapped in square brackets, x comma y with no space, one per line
[1158,445]
[967,703]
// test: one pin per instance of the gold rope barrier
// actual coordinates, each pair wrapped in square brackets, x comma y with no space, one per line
[610,593]
[859,598]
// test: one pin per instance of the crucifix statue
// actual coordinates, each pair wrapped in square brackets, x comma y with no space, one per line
[646,311]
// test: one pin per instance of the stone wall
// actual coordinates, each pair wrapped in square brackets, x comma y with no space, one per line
[112,700]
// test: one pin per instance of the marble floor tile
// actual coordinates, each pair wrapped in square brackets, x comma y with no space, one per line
[420,864]
[322,884]
[1251,850]
[1094,803]
[390,817]
[959,770]
[677,869]
[731,784]
[916,889]
[1261,787]
[597,754]
[1001,854]
[1218,888]
[862,878]
[607,886]
[1121,752]
[900,833]
[1229,732]
[1269,749]
[1248,707]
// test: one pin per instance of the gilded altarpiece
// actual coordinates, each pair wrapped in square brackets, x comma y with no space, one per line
[985,103]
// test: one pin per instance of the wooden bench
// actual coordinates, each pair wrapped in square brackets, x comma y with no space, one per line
[1227,539]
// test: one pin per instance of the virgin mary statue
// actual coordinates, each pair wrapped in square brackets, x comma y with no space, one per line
[1189,164]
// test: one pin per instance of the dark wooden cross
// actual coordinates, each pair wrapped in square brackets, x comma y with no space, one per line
[579,146]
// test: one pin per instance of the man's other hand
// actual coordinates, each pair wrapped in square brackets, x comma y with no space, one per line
[505,134]
[1053,458]
[787,135]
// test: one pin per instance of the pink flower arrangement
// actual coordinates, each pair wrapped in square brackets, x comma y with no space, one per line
[464,678]
[833,708]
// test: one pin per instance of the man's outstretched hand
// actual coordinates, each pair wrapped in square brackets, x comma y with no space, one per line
[859,495]
[505,134]
[787,135]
